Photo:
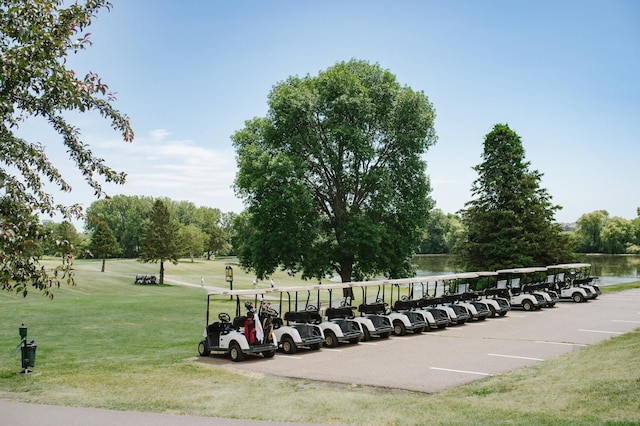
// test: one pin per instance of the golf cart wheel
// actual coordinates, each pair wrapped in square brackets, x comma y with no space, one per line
[492,311]
[418,330]
[315,346]
[268,354]
[202,349]
[577,297]
[330,339]
[367,336]
[399,328]
[527,305]
[355,340]
[385,335]
[288,345]
[235,352]
[503,313]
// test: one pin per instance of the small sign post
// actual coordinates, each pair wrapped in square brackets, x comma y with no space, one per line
[228,274]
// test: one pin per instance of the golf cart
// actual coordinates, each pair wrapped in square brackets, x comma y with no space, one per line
[372,319]
[301,329]
[410,305]
[457,313]
[400,322]
[340,325]
[251,333]
[497,300]
[460,287]
[560,277]
[509,279]
[532,281]
[309,314]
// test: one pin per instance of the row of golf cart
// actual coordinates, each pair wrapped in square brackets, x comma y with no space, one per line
[309,317]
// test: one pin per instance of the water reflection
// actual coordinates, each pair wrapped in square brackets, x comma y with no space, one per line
[612,269]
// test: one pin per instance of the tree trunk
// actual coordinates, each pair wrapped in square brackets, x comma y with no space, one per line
[104,260]
[161,272]
[346,269]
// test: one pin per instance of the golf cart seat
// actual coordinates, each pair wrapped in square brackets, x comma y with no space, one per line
[341,312]
[449,298]
[404,305]
[238,322]
[372,308]
[303,316]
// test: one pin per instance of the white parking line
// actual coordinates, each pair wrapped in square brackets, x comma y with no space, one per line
[601,331]
[461,371]
[331,350]
[517,357]
[291,357]
[368,343]
[632,322]
[561,343]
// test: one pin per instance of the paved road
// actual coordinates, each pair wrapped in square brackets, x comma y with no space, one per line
[438,360]
[20,414]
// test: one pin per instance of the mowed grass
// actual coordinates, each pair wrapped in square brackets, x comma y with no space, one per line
[111,344]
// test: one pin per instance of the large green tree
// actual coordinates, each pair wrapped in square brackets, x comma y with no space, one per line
[125,215]
[160,239]
[36,36]
[588,233]
[333,177]
[103,243]
[510,221]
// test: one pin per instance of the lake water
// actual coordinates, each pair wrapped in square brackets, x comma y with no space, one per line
[612,269]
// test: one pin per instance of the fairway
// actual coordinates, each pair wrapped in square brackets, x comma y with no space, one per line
[111,344]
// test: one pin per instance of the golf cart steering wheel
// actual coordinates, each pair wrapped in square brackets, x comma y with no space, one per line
[224,317]
[312,308]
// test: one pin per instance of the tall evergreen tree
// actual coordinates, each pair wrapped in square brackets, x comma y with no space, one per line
[103,243]
[510,221]
[160,240]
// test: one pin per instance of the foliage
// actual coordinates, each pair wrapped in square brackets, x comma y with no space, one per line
[125,216]
[103,243]
[509,223]
[192,240]
[160,240]
[589,229]
[36,36]
[333,177]
[616,234]
[442,233]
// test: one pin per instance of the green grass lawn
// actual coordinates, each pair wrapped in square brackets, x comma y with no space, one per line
[109,343]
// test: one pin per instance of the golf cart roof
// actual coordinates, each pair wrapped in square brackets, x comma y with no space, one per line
[522,270]
[331,286]
[368,283]
[249,292]
[569,266]
[486,273]
[292,289]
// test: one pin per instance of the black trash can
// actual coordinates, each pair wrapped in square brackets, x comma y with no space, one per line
[29,355]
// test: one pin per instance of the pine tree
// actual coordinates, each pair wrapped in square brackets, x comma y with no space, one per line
[160,241]
[510,221]
[103,243]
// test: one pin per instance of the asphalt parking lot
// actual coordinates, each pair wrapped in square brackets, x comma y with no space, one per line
[440,359]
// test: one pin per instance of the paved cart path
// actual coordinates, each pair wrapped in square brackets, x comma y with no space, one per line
[442,359]
[21,414]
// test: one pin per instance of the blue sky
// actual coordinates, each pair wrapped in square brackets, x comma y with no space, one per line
[564,75]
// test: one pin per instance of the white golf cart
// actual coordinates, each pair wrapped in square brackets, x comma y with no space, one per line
[532,281]
[305,312]
[561,278]
[340,325]
[410,304]
[497,300]
[461,288]
[510,279]
[300,328]
[372,318]
[251,333]
[400,322]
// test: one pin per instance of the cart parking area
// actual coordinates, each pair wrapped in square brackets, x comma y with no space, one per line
[437,360]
